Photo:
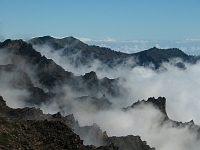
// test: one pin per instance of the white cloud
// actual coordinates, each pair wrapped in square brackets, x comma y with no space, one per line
[188,41]
[108,40]
[85,39]
[194,49]
[180,87]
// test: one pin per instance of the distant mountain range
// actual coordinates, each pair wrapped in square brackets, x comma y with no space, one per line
[106,56]
[23,68]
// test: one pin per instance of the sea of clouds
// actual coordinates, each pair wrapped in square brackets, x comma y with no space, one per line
[180,87]
[189,46]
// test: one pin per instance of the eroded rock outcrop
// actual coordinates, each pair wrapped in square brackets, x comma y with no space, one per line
[159,103]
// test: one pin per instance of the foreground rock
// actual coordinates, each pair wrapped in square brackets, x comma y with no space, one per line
[46,123]
[21,134]
[130,142]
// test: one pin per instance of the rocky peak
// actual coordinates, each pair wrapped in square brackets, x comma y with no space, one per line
[12,43]
[57,43]
[2,102]
[21,48]
[91,76]
[159,103]
[157,56]
[191,121]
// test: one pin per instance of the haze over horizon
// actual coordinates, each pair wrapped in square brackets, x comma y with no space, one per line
[127,26]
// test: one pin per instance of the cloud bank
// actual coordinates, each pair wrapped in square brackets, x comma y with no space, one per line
[180,87]
[189,46]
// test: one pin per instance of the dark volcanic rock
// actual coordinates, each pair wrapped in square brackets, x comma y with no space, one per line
[20,134]
[90,134]
[92,85]
[14,77]
[70,45]
[129,142]
[24,113]
[157,56]
[52,78]
[55,43]
[112,58]
[87,133]
[51,75]
[159,103]
[38,96]
[47,71]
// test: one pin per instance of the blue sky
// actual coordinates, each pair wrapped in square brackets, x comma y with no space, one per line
[101,19]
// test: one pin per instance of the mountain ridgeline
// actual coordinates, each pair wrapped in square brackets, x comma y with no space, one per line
[37,82]
[106,56]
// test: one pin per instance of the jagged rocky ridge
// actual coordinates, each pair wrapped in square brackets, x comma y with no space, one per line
[88,132]
[51,75]
[35,130]
[160,104]
[32,134]
[51,78]
[81,54]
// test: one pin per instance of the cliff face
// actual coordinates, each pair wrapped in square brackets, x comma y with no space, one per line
[159,103]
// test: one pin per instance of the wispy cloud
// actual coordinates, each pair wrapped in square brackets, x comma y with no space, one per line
[188,41]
